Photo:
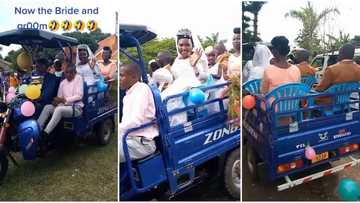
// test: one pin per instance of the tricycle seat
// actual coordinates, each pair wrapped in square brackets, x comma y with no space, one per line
[343,92]
[252,86]
[274,103]
[308,80]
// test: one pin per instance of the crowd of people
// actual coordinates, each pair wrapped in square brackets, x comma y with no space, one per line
[273,66]
[192,67]
[62,84]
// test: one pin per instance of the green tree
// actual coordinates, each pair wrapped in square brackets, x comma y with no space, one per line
[253,8]
[211,40]
[152,48]
[334,43]
[308,37]
[91,38]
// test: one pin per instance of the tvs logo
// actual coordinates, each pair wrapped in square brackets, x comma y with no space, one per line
[323,136]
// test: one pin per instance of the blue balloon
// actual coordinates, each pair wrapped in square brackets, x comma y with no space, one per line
[102,79]
[102,86]
[197,96]
[349,190]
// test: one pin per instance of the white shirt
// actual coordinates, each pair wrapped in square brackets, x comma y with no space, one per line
[234,65]
[245,75]
[90,76]
[138,109]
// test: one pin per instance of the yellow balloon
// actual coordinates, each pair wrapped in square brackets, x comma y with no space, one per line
[33,92]
[24,61]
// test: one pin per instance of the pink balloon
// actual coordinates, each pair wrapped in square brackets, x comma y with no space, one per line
[9,97]
[27,108]
[310,153]
[12,90]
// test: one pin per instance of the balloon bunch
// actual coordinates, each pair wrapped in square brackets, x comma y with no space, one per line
[27,108]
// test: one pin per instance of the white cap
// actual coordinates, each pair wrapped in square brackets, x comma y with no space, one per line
[209,49]
[152,61]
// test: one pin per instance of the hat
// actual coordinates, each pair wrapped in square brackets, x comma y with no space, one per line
[209,49]
[152,61]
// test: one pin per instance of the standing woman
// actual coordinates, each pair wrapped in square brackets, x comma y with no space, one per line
[234,66]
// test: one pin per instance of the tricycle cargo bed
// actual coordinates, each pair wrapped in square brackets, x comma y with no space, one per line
[281,132]
[204,140]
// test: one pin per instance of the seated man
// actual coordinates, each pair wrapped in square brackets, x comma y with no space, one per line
[50,86]
[346,70]
[40,71]
[49,89]
[68,102]
[58,65]
[138,109]
[301,59]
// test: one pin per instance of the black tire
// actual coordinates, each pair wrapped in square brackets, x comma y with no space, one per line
[251,161]
[232,177]
[4,165]
[104,131]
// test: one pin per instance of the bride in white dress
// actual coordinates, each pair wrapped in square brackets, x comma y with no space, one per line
[189,70]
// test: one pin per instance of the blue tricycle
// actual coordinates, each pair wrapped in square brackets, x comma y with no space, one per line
[19,133]
[206,145]
[293,129]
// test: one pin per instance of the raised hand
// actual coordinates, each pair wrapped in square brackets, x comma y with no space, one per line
[196,56]
[92,62]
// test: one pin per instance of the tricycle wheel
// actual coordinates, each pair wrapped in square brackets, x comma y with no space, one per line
[104,131]
[232,174]
[4,164]
[256,169]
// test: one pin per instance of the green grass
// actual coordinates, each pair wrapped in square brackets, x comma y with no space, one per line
[80,172]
